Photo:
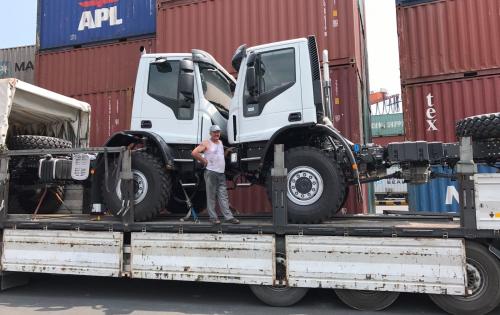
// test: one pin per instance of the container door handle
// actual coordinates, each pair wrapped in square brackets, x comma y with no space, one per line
[295,117]
[146,124]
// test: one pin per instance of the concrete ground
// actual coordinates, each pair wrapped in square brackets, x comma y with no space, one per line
[47,294]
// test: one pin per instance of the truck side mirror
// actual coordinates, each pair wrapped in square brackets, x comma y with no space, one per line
[251,79]
[186,79]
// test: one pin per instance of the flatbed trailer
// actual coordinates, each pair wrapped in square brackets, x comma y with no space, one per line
[367,259]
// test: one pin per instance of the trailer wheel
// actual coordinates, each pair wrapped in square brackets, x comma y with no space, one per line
[152,187]
[24,171]
[278,296]
[483,280]
[367,300]
[485,126]
[316,185]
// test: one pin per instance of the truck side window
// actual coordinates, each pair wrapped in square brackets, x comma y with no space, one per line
[162,86]
[275,74]
[217,89]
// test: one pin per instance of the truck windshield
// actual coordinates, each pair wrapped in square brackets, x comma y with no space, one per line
[217,89]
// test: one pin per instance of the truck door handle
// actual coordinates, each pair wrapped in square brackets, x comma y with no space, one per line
[146,124]
[295,117]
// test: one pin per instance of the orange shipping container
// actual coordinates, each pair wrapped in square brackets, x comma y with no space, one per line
[438,38]
[220,26]
[109,67]
[432,109]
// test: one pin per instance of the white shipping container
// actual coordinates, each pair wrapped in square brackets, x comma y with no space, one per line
[19,63]
[391,185]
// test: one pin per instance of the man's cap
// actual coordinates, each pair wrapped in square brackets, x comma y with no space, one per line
[214,128]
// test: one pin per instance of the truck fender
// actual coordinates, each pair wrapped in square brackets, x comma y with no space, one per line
[322,129]
[124,138]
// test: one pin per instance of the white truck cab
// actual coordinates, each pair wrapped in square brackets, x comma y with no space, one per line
[159,107]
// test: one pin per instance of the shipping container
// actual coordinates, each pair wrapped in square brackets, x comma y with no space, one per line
[111,67]
[391,186]
[250,200]
[220,26]
[19,63]
[63,23]
[384,141]
[432,109]
[440,194]
[387,125]
[347,98]
[447,36]
[111,112]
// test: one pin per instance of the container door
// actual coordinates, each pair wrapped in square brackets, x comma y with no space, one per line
[164,110]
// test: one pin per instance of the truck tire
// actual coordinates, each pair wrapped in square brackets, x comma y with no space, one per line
[278,296]
[152,187]
[367,300]
[483,278]
[322,187]
[26,201]
[485,126]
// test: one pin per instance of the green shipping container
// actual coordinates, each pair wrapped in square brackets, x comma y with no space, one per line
[387,125]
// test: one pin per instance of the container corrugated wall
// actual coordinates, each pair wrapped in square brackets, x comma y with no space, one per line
[431,109]
[19,63]
[440,194]
[103,68]
[220,26]
[438,38]
[111,111]
[64,23]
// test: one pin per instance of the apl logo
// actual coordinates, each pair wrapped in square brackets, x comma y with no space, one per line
[94,19]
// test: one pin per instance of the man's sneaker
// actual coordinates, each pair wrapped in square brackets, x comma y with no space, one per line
[233,221]
[215,221]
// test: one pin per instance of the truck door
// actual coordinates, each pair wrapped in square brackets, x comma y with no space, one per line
[278,102]
[164,110]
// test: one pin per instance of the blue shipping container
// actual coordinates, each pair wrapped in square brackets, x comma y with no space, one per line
[440,194]
[68,22]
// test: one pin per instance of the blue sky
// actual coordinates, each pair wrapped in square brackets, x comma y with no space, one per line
[18,23]
[18,28]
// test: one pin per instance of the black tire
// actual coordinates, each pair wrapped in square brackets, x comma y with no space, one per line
[367,300]
[278,296]
[26,201]
[486,295]
[155,194]
[485,126]
[334,186]
[37,142]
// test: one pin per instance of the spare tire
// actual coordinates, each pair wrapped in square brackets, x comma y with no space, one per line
[485,126]
[24,172]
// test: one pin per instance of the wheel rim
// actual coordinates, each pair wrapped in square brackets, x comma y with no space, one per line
[476,281]
[141,187]
[305,185]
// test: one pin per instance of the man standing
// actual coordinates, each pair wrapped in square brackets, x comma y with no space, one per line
[215,180]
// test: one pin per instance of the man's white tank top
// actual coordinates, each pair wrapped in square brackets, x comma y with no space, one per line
[215,157]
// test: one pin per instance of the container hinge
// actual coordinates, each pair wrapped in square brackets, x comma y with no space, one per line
[445,235]
[143,229]
[219,231]
[77,228]
[394,233]
[301,232]
[45,227]
[110,228]
[259,230]
[181,229]
[346,232]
